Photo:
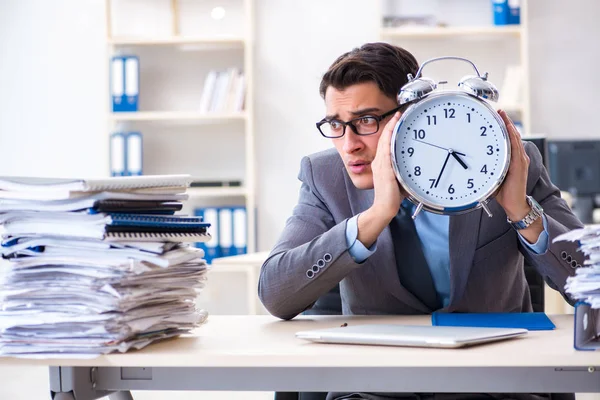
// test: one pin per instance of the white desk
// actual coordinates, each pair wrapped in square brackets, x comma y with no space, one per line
[243,353]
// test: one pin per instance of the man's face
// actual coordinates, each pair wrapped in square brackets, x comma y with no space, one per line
[358,151]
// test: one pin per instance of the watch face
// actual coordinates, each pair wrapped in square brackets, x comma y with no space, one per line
[450,151]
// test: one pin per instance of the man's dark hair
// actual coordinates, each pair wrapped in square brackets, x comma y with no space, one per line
[382,63]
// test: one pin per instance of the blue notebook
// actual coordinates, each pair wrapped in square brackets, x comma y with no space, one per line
[535,321]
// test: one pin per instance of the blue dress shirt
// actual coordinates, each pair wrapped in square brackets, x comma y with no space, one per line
[432,229]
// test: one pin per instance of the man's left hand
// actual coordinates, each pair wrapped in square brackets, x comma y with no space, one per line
[513,193]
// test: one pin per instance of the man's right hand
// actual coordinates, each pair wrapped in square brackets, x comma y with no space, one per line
[387,194]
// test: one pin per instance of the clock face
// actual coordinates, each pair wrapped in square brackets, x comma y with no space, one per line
[451,151]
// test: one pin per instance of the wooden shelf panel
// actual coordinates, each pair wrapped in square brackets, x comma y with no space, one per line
[177,116]
[512,30]
[236,41]
[200,192]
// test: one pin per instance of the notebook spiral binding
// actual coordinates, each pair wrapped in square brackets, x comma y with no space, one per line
[158,236]
[153,218]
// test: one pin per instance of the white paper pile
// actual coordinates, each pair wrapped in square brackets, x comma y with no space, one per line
[585,285]
[76,281]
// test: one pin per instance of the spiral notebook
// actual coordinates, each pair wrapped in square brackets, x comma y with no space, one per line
[157,237]
[118,226]
[117,183]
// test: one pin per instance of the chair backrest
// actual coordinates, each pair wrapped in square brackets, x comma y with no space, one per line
[536,288]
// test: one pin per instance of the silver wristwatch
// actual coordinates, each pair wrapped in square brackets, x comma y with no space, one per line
[535,213]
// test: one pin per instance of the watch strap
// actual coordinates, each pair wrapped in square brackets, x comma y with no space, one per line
[534,214]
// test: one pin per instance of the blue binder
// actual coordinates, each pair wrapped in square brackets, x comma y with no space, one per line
[211,248]
[124,83]
[514,12]
[240,228]
[135,153]
[587,327]
[118,154]
[501,12]
[535,321]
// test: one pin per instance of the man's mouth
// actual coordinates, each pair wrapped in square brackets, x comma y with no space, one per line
[357,167]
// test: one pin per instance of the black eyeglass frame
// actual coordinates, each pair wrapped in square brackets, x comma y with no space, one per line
[350,123]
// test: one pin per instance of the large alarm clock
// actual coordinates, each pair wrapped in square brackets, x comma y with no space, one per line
[450,148]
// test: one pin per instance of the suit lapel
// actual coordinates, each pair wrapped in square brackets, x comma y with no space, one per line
[463,232]
[383,262]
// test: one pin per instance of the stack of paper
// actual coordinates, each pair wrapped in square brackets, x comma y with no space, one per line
[96,266]
[585,285]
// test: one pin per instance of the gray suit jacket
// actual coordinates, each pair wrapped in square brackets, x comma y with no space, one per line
[486,256]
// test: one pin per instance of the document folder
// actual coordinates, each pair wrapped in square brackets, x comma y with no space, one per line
[125,83]
[530,321]
[587,327]
[240,245]
[134,157]
[118,155]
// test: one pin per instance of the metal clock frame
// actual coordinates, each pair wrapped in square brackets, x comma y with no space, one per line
[482,200]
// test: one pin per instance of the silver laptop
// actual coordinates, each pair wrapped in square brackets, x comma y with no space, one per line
[410,335]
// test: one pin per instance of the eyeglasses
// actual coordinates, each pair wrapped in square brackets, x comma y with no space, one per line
[365,125]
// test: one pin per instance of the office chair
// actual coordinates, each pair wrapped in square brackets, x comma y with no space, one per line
[536,288]
[331,304]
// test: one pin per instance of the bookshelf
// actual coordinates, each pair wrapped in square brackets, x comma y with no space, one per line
[179,43]
[467,32]
[233,41]
[177,116]
[452,31]
[200,192]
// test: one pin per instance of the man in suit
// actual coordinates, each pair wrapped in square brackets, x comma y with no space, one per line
[350,227]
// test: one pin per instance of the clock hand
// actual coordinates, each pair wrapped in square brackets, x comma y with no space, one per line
[460,161]
[431,144]
[439,147]
[443,167]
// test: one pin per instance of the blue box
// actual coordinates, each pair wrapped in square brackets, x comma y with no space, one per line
[501,12]
[514,12]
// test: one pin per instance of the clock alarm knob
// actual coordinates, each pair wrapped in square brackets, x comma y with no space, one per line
[415,90]
[479,86]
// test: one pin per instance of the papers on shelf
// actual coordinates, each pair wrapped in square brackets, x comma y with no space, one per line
[76,281]
[585,285]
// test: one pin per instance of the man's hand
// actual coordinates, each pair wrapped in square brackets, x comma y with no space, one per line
[388,196]
[513,193]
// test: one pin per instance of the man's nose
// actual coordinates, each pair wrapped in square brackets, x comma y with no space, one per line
[352,141]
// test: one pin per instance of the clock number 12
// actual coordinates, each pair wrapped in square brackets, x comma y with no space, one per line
[449,112]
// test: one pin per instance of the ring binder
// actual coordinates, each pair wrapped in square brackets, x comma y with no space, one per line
[587,327]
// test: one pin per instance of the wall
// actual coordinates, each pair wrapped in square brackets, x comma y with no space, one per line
[53,104]
[296,42]
[564,58]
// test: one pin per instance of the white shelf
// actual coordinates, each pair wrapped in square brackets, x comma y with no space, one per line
[510,108]
[200,192]
[234,41]
[512,30]
[177,116]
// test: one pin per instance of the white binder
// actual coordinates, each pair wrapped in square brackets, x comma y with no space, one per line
[240,242]
[226,232]
[117,154]
[134,153]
